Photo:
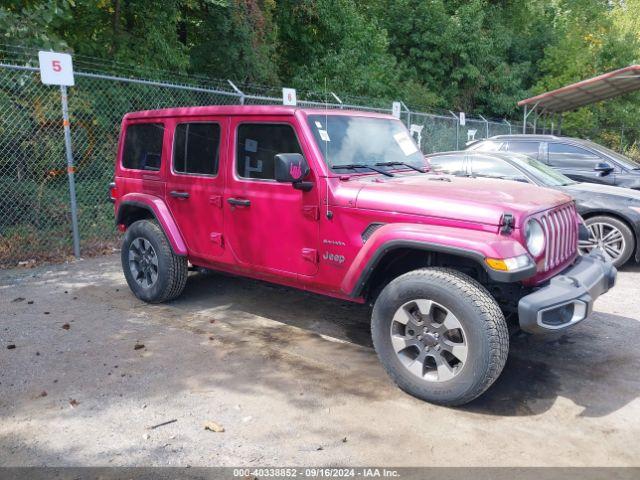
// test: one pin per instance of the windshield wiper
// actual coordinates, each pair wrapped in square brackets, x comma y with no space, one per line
[392,164]
[353,166]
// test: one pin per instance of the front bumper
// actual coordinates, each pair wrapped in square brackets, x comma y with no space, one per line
[569,296]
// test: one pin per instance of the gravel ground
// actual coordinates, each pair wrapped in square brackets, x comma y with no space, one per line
[291,377]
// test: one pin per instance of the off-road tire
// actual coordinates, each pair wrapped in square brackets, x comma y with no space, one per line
[627,234]
[483,321]
[172,268]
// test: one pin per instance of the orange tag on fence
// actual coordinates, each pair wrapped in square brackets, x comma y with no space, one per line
[71,169]
[66,123]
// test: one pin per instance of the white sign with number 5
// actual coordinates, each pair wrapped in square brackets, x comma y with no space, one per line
[56,68]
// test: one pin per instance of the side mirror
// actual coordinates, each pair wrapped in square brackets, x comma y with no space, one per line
[292,168]
[604,168]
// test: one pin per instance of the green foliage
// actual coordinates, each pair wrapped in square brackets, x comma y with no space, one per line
[592,38]
[332,41]
[33,23]
[479,56]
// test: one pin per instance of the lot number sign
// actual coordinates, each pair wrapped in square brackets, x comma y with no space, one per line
[56,68]
[289,96]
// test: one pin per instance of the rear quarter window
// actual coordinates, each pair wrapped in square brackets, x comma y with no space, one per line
[143,146]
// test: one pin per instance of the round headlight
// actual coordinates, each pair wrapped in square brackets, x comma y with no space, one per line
[534,236]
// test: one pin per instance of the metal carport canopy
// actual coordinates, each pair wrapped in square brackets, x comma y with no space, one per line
[596,89]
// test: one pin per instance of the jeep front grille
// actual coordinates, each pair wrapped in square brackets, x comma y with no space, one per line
[561,235]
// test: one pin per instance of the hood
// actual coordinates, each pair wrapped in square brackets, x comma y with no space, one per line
[477,200]
[587,191]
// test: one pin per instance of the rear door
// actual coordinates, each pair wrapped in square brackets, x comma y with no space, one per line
[195,183]
[578,163]
[271,227]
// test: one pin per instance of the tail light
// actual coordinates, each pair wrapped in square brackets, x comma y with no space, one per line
[113,192]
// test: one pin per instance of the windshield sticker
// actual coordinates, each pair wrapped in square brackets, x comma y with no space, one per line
[318,124]
[324,135]
[250,145]
[405,143]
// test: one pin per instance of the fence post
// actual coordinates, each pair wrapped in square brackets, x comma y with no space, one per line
[457,129]
[70,170]
[508,123]
[338,100]
[408,113]
[486,125]
[238,91]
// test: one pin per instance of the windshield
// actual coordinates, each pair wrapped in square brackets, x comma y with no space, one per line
[364,141]
[626,162]
[543,173]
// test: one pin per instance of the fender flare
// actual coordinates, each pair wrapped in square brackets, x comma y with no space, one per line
[160,213]
[474,245]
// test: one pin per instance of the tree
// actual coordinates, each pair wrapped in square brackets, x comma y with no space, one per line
[332,41]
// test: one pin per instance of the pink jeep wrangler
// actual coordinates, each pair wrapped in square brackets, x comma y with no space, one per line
[338,203]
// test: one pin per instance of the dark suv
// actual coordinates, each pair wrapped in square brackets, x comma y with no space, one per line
[580,160]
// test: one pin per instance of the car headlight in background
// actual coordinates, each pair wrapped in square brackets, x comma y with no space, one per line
[534,236]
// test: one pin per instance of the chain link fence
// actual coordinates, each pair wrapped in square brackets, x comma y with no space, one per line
[35,219]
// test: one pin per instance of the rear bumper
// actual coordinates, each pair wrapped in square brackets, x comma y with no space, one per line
[569,296]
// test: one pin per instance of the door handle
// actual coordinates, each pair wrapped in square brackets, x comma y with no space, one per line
[177,194]
[239,202]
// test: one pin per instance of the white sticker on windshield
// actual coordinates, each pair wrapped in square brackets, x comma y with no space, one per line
[405,143]
[324,135]
[318,124]
[250,145]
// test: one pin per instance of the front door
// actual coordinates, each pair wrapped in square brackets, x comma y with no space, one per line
[271,226]
[578,163]
[195,183]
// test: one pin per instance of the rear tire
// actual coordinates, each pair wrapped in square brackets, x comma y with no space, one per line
[454,343]
[612,236]
[154,273]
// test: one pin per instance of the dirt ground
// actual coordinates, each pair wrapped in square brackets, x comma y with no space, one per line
[291,377]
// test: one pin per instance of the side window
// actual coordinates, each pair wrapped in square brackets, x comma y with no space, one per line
[258,143]
[143,146]
[564,155]
[196,148]
[526,148]
[484,166]
[451,164]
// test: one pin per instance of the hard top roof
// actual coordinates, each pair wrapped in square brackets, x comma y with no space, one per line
[246,110]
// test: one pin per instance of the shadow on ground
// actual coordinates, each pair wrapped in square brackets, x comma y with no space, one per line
[592,364]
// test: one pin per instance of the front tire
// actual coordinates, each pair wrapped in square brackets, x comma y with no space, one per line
[154,273]
[440,335]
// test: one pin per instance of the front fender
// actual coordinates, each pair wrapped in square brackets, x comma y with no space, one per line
[160,212]
[474,244]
